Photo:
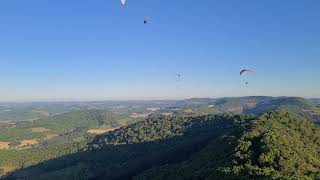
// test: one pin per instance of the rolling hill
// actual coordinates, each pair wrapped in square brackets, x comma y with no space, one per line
[59,128]
[273,145]
[261,104]
[310,108]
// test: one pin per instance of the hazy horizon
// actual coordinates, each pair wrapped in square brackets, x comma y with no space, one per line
[146,99]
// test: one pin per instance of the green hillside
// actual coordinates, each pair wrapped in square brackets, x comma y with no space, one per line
[82,119]
[274,145]
[262,104]
[61,127]
[290,104]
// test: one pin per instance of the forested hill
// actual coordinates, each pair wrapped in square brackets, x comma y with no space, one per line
[274,145]
[277,145]
[308,108]
[57,128]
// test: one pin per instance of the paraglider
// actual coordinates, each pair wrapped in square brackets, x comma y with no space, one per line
[123,2]
[178,80]
[178,77]
[249,71]
[146,20]
[246,71]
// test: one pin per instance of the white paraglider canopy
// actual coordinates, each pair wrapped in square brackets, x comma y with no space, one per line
[123,2]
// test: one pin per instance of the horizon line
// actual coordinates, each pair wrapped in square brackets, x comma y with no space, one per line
[142,99]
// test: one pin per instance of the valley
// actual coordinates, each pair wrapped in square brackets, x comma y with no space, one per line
[182,135]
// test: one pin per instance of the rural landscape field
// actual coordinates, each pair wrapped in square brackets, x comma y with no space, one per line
[159,90]
[170,136]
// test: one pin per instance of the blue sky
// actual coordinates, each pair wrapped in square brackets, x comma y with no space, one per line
[98,50]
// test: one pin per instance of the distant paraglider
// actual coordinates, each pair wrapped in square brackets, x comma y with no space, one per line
[249,71]
[123,2]
[178,80]
[246,71]
[146,20]
[178,76]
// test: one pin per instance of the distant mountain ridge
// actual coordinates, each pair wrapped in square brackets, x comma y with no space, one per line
[308,108]
[261,104]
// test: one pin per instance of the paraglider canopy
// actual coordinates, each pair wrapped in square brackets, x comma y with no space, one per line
[146,20]
[123,2]
[178,76]
[246,71]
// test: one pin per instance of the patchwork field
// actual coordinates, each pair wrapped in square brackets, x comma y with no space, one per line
[4,145]
[43,113]
[142,115]
[99,131]
[50,136]
[27,142]
[39,129]
[153,109]
[167,114]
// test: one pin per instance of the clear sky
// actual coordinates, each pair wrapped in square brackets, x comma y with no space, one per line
[98,50]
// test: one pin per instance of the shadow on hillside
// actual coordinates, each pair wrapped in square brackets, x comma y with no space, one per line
[128,160]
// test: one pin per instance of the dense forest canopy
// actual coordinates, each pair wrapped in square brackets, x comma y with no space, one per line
[223,146]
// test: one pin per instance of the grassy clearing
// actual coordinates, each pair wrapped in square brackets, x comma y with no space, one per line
[39,129]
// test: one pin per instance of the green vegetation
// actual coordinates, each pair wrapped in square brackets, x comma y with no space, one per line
[275,145]
[82,119]
[279,145]
[66,126]
[13,114]
[201,110]
[197,142]
[24,158]
[133,148]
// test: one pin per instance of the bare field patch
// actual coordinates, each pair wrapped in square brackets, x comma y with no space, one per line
[4,145]
[306,110]
[50,136]
[236,110]
[39,129]
[120,107]
[167,114]
[99,131]
[143,115]
[27,142]
[43,113]
[188,111]
[153,109]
